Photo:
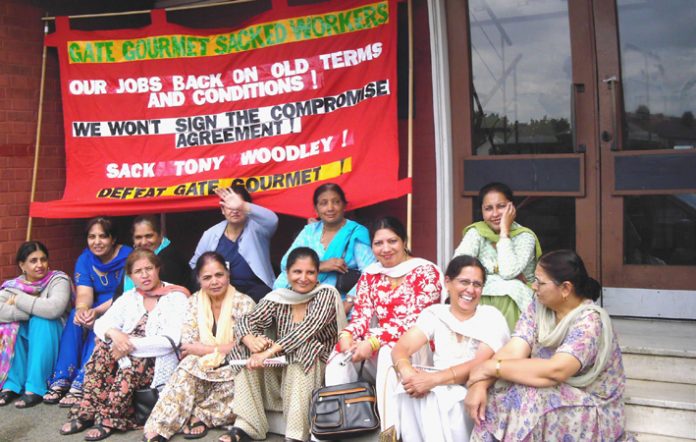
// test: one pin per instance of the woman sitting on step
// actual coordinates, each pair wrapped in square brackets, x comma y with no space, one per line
[561,376]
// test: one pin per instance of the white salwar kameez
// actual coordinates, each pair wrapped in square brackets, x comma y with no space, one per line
[440,415]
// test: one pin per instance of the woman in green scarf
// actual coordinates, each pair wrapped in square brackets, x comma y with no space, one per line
[507,250]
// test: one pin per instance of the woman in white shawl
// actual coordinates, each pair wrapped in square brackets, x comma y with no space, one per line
[200,391]
[133,350]
[394,290]
[431,401]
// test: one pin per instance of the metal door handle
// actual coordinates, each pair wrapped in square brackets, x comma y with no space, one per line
[612,83]
[575,88]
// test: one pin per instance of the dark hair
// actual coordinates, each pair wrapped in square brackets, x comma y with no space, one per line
[206,257]
[391,223]
[140,253]
[152,220]
[302,252]
[326,187]
[27,248]
[454,268]
[241,191]
[566,265]
[105,224]
[495,187]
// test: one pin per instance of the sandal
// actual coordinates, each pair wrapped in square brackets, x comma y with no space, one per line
[76,426]
[196,425]
[28,400]
[54,395]
[236,435]
[7,396]
[71,398]
[102,433]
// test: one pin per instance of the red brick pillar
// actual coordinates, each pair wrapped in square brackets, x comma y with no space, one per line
[21,34]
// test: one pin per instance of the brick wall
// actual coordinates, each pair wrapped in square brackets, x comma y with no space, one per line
[21,37]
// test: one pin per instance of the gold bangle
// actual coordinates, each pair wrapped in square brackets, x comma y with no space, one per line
[454,375]
[81,306]
[374,342]
[497,368]
[396,364]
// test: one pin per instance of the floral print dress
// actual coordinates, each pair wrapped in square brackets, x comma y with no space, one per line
[561,413]
[396,308]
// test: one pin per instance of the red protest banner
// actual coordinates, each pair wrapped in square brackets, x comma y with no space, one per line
[158,117]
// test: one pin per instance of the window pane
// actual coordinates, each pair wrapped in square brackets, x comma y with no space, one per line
[522,76]
[658,73]
[660,229]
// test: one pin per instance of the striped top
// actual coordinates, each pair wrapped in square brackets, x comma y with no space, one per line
[303,342]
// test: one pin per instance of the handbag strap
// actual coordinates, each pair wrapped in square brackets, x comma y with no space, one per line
[345,249]
[174,347]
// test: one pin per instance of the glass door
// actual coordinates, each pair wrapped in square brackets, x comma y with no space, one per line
[533,118]
[647,98]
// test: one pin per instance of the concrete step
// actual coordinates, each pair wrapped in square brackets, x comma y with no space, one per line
[646,437]
[661,408]
[656,337]
[658,350]
[660,368]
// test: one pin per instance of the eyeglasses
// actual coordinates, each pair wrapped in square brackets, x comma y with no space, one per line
[467,282]
[143,271]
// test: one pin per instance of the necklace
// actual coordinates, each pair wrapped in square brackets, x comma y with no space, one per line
[103,277]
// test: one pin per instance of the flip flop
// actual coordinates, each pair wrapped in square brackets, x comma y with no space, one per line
[102,433]
[196,425]
[76,426]
[7,396]
[29,400]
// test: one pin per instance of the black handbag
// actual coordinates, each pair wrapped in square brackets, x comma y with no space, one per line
[346,281]
[344,411]
[144,400]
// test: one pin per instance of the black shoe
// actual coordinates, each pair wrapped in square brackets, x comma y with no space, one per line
[238,435]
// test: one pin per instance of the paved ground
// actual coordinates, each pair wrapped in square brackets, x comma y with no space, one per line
[41,423]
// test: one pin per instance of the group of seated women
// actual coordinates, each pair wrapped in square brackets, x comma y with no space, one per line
[436,345]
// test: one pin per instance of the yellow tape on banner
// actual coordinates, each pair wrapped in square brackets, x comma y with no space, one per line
[254,184]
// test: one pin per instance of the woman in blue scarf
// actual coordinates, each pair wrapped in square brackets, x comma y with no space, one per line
[98,272]
[341,244]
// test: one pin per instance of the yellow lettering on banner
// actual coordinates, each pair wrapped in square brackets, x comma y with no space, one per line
[252,37]
[254,184]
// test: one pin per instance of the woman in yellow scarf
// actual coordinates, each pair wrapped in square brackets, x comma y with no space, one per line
[200,391]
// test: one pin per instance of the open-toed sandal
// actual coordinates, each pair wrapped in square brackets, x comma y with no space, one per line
[102,433]
[76,426]
[28,400]
[71,398]
[194,426]
[54,395]
[7,396]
